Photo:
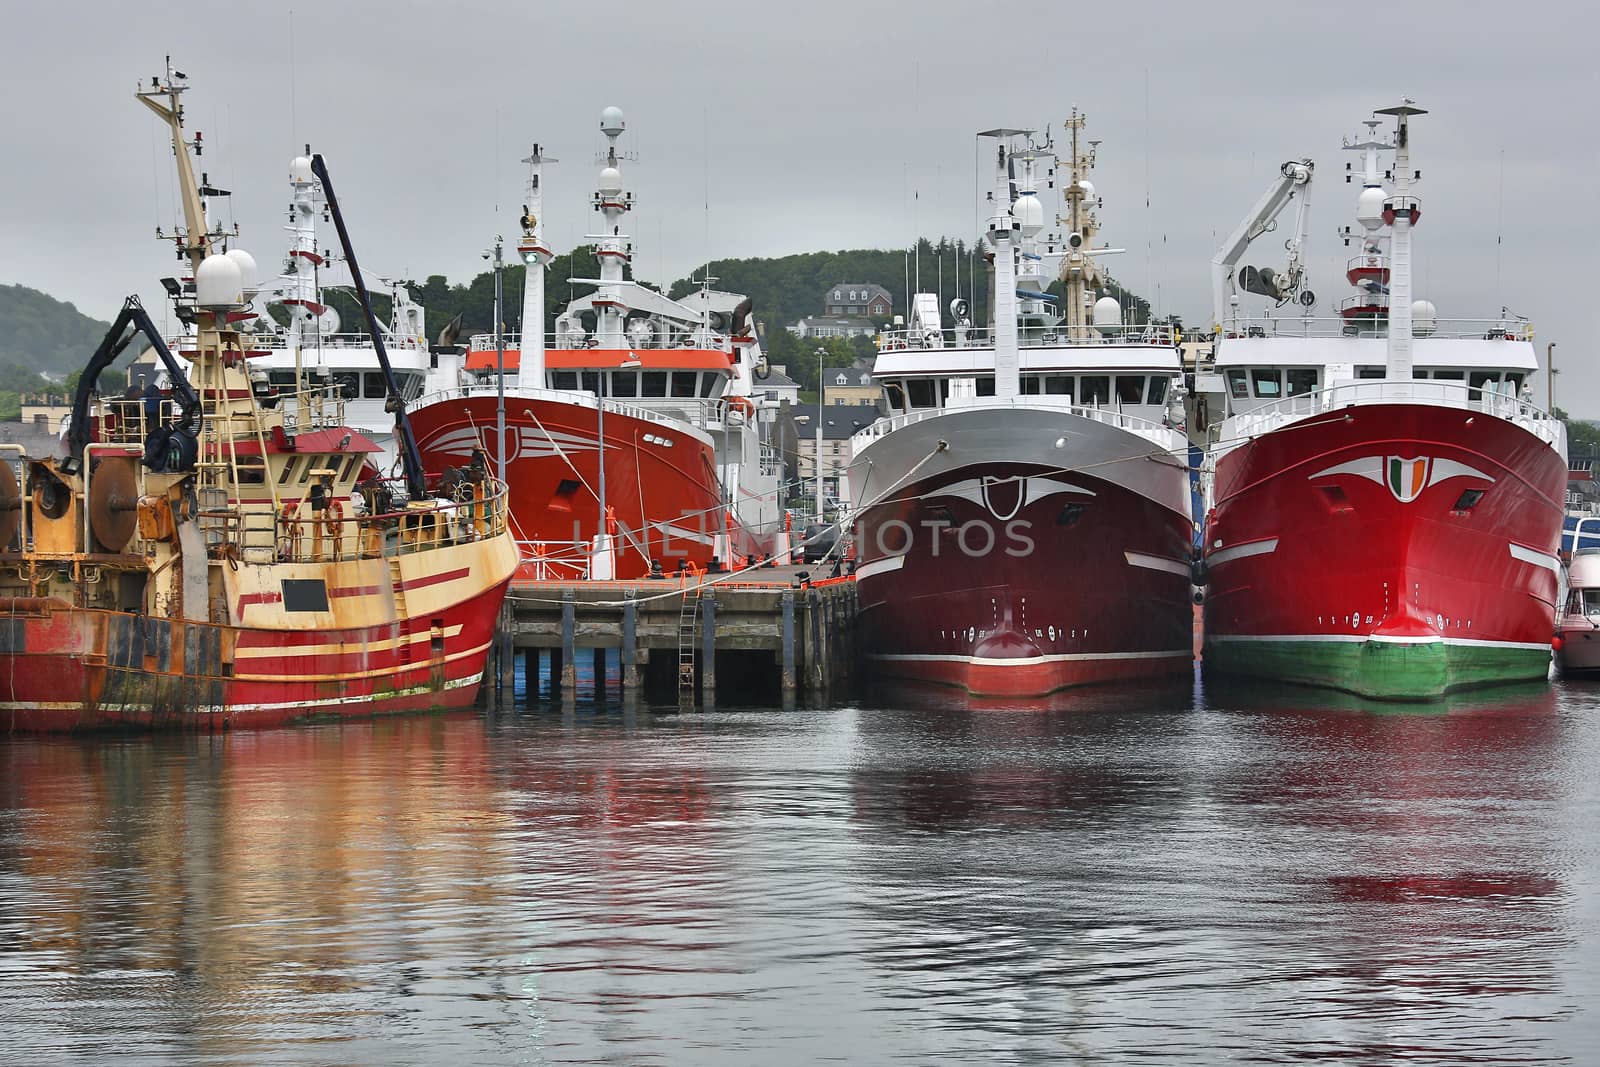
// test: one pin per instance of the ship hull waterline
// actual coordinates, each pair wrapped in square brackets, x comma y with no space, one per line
[1399,552]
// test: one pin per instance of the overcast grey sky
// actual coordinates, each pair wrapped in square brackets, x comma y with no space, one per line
[813,126]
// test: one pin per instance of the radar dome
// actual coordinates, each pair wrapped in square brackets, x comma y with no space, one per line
[611,122]
[1088,188]
[1369,207]
[1029,214]
[247,268]
[611,180]
[1107,313]
[300,171]
[1424,318]
[217,283]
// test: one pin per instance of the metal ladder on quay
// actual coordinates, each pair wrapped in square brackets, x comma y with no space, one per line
[688,616]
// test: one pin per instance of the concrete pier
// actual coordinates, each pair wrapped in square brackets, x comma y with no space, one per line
[764,637]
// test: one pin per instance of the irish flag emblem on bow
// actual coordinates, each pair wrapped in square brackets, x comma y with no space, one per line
[1406,477]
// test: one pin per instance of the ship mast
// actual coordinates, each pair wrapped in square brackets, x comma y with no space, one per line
[611,246]
[535,257]
[1002,234]
[194,242]
[1078,269]
[1401,210]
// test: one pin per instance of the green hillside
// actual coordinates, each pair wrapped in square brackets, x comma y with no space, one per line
[41,333]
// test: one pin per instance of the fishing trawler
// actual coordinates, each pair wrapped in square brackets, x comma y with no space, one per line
[1022,519]
[1386,505]
[636,436]
[208,560]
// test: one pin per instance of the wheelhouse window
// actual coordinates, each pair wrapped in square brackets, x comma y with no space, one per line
[1130,388]
[564,379]
[1366,373]
[1302,380]
[708,383]
[1238,384]
[653,383]
[683,383]
[372,385]
[1030,385]
[1449,375]
[1514,381]
[920,392]
[1158,389]
[625,383]
[1094,388]
[349,384]
[590,380]
[986,386]
[1266,383]
[1058,385]
[1478,379]
[252,470]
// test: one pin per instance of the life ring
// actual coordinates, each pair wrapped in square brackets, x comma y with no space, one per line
[333,520]
[743,405]
[291,529]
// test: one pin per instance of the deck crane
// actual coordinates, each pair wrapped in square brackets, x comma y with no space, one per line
[1292,184]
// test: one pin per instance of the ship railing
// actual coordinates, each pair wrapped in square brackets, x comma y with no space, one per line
[318,407]
[1299,326]
[548,561]
[1029,337]
[1158,433]
[1246,425]
[378,523]
[674,414]
[310,341]
[556,341]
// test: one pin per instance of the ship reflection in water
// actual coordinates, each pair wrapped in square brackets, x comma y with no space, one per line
[1107,877]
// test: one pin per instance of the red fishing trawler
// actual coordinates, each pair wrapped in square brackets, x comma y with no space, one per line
[1022,519]
[209,560]
[1386,505]
[637,435]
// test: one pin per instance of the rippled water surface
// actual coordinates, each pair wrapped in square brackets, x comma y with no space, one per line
[1177,876]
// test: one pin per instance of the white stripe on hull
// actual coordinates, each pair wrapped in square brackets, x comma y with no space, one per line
[1030,661]
[1379,639]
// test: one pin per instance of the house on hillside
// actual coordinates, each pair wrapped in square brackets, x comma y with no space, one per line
[834,327]
[857,299]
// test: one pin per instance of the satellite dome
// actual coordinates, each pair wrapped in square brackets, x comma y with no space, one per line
[1107,313]
[611,122]
[611,180]
[247,268]
[1424,318]
[1088,188]
[217,283]
[300,171]
[1029,214]
[1369,207]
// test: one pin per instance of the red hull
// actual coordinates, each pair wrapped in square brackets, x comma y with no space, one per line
[73,670]
[1370,526]
[666,498]
[1019,621]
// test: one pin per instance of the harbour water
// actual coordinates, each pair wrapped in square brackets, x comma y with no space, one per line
[1175,875]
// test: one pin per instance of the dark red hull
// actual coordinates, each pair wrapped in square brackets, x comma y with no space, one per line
[1400,550]
[666,498]
[71,670]
[1073,587]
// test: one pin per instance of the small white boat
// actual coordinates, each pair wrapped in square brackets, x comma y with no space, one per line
[1577,640]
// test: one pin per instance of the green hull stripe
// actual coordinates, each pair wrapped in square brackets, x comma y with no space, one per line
[1380,670]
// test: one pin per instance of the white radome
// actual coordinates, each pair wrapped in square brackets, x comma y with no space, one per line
[300,171]
[1107,312]
[611,121]
[611,180]
[1369,207]
[1424,317]
[1087,187]
[1029,214]
[217,283]
[247,269]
